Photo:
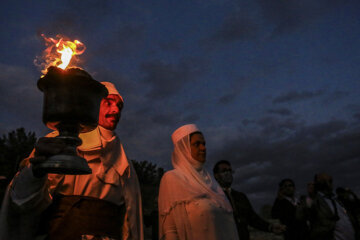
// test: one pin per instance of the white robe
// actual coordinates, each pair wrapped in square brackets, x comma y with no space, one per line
[192,205]
[113,179]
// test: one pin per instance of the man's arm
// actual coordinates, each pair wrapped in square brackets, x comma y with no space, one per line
[29,190]
[253,218]
[257,222]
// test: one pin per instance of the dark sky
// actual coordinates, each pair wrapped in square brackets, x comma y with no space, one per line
[273,85]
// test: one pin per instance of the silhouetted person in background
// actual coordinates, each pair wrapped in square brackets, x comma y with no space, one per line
[310,193]
[351,203]
[243,212]
[284,209]
[328,218]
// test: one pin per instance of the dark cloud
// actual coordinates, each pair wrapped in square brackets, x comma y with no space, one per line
[170,45]
[294,96]
[353,107]
[335,96]
[104,74]
[227,98]
[279,17]
[21,100]
[290,15]
[357,116]
[75,17]
[167,79]
[281,111]
[163,119]
[261,161]
[246,122]
[278,128]
[125,39]
[234,28]
[324,130]
[234,87]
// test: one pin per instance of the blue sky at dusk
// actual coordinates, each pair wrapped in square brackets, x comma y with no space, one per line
[273,85]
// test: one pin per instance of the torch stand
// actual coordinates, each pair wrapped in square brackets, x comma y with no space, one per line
[71,106]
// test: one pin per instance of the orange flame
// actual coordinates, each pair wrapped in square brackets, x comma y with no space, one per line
[59,52]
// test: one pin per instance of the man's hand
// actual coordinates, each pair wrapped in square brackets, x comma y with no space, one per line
[45,147]
[278,228]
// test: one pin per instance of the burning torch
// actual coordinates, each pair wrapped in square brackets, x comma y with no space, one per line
[71,104]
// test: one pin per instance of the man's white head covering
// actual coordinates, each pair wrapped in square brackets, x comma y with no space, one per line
[112,89]
[192,181]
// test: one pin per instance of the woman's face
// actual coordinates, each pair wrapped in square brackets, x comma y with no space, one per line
[197,145]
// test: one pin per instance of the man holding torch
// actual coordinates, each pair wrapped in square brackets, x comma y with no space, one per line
[105,204]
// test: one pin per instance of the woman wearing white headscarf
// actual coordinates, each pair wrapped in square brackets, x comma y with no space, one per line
[192,205]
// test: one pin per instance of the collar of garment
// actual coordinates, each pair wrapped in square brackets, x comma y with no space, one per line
[329,196]
[96,140]
[90,140]
[293,200]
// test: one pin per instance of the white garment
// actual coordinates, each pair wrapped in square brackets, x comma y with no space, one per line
[188,195]
[113,179]
[343,228]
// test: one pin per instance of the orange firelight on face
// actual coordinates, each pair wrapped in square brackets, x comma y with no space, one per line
[60,52]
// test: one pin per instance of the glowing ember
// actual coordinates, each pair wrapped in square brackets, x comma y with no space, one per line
[59,52]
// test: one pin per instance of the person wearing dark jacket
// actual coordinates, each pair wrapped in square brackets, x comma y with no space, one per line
[244,213]
[285,209]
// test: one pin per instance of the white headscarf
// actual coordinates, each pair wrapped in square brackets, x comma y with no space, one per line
[112,89]
[188,182]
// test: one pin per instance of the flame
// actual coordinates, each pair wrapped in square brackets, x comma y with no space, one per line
[59,52]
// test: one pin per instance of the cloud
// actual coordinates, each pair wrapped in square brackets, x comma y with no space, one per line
[353,107]
[335,96]
[249,20]
[261,161]
[227,98]
[294,96]
[167,79]
[123,40]
[170,45]
[234,28]
[281,111]
[357,116]
[73,19]
[278,128]
[288,16]
[21,100]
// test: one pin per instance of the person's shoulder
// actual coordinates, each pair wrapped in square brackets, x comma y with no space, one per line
[279,201]
[171,174]
[235,192]
[239,195]
[172,177]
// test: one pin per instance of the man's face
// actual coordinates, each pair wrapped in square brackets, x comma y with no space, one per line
[197,146]
[224,175]
[110,111]
[288,189]
[310,188]
[328,183]
[325,183]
